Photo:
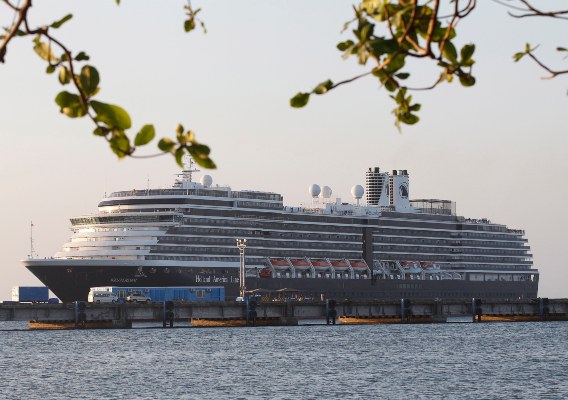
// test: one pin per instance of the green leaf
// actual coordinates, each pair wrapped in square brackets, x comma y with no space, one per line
[300,100]
[345,45]
[204,162]
[145,135]
[466,54]
[402,75]
[113,116]
[120,144]
[450,52]
[101,131]
[44,51]
[189,25]
[467,80]
[50,69]
[89,80]
[82,56]
[518,56]
[561,49]
[323,87]
[63,20]
[64,76]
[166,144]
[66,99]
[396,63]
[409,119]
[179,129]
[179,156]
[386,80]
[70,104]
[200,150]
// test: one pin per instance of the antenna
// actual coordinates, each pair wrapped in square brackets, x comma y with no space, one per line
[32,251]
[189,168]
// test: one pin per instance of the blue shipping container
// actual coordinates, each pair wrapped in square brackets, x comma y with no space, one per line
[30,294]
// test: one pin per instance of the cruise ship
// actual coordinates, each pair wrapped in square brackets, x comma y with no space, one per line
[382,245]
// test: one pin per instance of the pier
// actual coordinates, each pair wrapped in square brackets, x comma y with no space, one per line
[258,313]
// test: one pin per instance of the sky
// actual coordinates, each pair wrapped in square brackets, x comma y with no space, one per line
[497,149]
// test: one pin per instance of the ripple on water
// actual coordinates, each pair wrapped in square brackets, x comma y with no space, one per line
[465,361]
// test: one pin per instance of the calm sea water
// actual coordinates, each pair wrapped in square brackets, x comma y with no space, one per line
[450,361]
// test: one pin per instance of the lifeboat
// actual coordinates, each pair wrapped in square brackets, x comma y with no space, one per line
[320,263]
[340,264]
[300,262]
[265,273]
[358,263]
[408,263]
[279,262]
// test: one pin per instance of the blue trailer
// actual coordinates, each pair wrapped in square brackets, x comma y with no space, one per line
[30,294]
[174,293]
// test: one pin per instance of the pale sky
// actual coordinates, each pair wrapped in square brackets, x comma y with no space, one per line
[497,149]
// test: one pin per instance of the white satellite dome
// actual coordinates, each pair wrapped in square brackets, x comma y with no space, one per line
[314,190]
[326,192]
[357,192]
[206,180]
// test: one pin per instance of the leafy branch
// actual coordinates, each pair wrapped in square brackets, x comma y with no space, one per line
[413,30]
[529,51]
[110,121]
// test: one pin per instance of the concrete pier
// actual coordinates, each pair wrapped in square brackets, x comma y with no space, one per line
[89,316]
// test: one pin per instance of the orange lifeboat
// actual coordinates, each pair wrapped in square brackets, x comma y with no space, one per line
[265,273]
[300,262]
[279,262]
[320,263]
[358,263]
[339,264]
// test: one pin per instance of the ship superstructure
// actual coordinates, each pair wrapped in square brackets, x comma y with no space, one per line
[390,246]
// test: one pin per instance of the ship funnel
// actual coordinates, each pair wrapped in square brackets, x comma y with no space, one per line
[399,192]
[375,187]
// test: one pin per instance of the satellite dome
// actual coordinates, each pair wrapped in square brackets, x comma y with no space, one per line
[206,180]
[314,190]
[357,192]
[326,192]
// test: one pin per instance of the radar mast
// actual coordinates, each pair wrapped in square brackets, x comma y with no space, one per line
[185,177]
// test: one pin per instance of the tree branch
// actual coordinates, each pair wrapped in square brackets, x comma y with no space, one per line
[553,74]
[21,17]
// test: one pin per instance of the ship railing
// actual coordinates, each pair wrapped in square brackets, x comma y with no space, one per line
[380,268]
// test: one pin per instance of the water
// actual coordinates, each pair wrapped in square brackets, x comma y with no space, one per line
[450,361]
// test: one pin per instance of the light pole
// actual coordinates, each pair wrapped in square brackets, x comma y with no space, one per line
[242,244]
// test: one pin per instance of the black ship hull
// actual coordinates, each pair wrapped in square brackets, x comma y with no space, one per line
[71,281]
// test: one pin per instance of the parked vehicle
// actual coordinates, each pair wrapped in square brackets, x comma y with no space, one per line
[138,298]
[101,296]
[30,294]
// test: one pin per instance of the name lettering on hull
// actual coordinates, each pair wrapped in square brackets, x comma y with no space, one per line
[215,279]
[123,280]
